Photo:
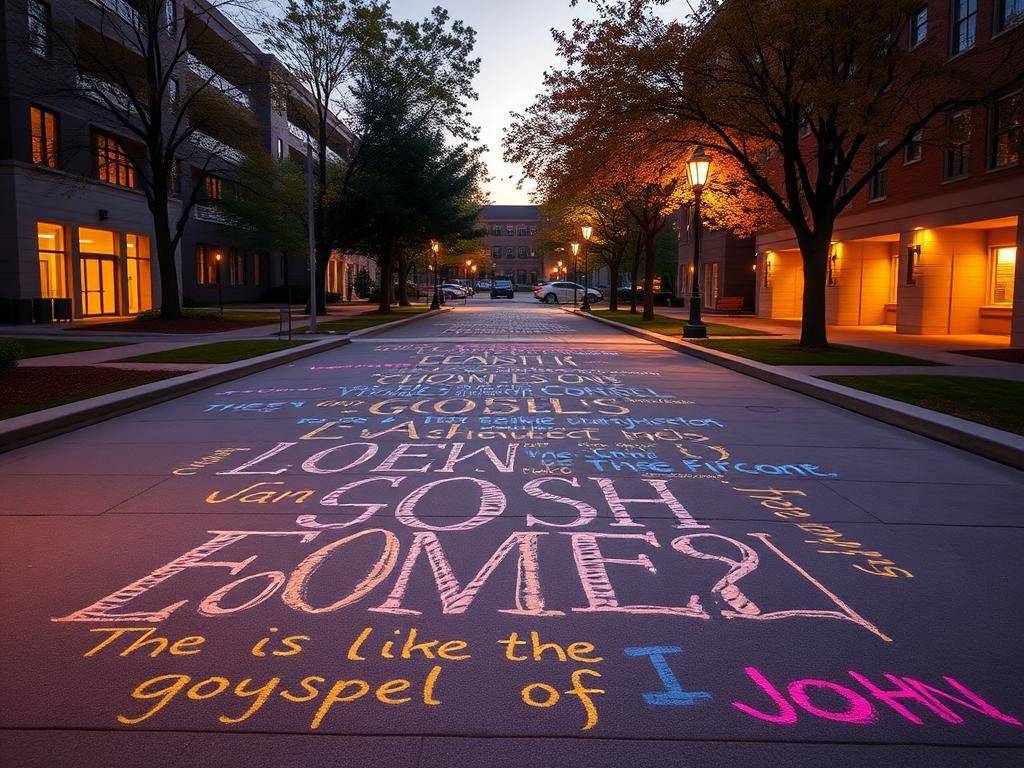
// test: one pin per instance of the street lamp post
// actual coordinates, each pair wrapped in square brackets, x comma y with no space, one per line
[575,247]
[435,303]
[473,270]
[587,231]
[220,290]
[697,170]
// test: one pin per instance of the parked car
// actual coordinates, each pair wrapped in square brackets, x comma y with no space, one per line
[561,292]
[483,284]
[454,291]
[502,288]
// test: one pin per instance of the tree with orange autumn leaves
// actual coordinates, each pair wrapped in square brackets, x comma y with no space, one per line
[805,100]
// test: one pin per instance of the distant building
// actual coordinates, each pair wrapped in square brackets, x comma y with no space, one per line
[511,242]
[726,264]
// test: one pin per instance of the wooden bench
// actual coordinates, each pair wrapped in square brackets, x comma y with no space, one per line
[729,304]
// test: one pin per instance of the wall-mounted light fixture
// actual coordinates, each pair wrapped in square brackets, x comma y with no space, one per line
[833,267]
[767,270]
[913,261]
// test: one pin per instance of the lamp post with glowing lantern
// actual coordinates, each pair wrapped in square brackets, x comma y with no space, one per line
[587,231]
[435,303]
[697,171]
[220,290]
[575,248]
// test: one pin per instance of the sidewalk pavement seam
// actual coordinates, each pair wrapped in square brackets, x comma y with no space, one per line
[979,439]
[34,427]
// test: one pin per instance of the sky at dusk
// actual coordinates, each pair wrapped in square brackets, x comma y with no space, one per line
[515,47]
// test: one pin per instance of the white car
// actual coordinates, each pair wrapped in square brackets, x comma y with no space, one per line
[560,292]
[453,291]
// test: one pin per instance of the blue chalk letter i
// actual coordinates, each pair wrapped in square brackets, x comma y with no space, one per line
[673,695]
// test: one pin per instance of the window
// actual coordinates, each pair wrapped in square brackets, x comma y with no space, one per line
[44,137]
[52,261]
[877,187]
[138,268]
[1004,263]
[170,17]
[805,124]
[958,143]
[1008,13]
[508,253]
[214,188]
[510,230]
[255,269]
[1006,130]
[965,23]
[176,176]
[280,149]
[522,230]
[919,27]
[496,252]
[912,151]
[172,91]
[112,162]
[496,230]
[237,267]
[523,253]
[207,265]
[39,28]
[533,229]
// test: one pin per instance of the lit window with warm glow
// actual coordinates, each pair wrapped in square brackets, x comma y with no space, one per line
[113,164]
[44,137]
[1004,264]
[52,261]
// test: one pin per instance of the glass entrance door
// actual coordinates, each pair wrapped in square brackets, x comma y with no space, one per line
[98,286]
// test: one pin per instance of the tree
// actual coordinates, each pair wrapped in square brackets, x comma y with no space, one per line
[173,90]
[810,98]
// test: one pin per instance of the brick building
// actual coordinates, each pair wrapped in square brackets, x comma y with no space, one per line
[511,241]
[931,245]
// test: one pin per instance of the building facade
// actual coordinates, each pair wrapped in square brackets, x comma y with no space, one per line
[512,243]
[931,245]
[727,264]
[76,225]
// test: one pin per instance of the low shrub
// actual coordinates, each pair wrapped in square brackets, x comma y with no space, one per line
[10,352]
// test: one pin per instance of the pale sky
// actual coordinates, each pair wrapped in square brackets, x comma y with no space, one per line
[515,47]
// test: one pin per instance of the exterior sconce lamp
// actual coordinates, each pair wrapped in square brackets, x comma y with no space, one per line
[833,268]
[697,170]
[767,271]
[913,261]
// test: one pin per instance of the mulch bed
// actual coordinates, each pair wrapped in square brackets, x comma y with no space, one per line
[24,390]
[1006,355]
[186,325]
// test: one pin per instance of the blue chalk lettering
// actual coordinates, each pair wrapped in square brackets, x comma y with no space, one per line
[673,695]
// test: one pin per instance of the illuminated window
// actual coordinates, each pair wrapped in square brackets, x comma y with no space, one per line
[214,188]
[207,265]
[39,28]
[1006,125]
[170,17]
[280,149]
[1004,264]
[52,261]
[958,144]
[919,27]
[112,162]
[140,287]
[44,137]
[965,23]
[237,267]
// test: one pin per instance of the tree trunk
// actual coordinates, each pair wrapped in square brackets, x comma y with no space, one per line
[635,274]
[613,288]
[386,269]
[323,257]
[170,299]
[403,271]
[650,235]
[815,252]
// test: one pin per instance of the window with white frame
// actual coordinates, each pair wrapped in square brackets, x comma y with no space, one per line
[1004,265]
[912,151]
[496,252]
[522,230]
[965,25]
[510,230]
[958,144]
[496,230]
[1004,148]
[919,26]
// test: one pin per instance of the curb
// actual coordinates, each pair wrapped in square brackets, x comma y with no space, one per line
[35,427]
[988,442]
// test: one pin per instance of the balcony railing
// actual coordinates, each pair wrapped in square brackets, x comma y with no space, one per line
[96,89]
[299,133]
[123,9]
[215,147]
[217,82]
[210,213]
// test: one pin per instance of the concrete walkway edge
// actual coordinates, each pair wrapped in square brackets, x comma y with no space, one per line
[979,439]
[41,425]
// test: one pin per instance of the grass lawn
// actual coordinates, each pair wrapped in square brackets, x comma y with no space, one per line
[192,321]
[994,402]
[31,347]
[788,352]
[673,326]
[25,390]
[368,319]
[217,352]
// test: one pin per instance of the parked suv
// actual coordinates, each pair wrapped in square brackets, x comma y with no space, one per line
[560,292]
[502,288]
